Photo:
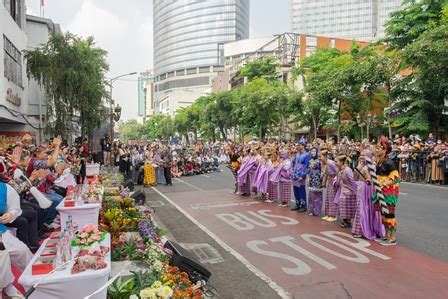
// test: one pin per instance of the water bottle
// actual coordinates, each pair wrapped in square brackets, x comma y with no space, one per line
[66,245]
[60,257]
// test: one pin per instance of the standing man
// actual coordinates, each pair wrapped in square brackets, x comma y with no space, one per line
[300,166]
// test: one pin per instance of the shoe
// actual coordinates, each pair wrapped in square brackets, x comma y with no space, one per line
[295,209]
[310,214]
[301,210]
[389,243]
[54,225]
[46,228]
[380,240]
[331,219]
[357,236]
[268,200]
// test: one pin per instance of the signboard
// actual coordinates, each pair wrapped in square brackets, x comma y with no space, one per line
[8,139]
[13,98]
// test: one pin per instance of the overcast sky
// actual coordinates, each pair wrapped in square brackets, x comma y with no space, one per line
[124,29]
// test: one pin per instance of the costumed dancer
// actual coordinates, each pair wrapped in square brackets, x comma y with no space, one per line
[367,221]
[234,165]
[389,181]
[348,188]
[285,179]
[262,174]
[274,178]
[300,166]
[248,161]
[253,171]
[330,170]
[314,184]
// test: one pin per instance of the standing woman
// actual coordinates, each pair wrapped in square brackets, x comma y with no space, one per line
[273,179]
[148,170]
[367,222]
[122,156]
[285,179]
[243,176]
[330,171]
[389,181]
[83,156]
[348,185]
[314,184]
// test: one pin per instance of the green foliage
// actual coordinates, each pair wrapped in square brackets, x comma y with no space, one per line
[159,127]
[265,68]
[131,130]
[123,289]
[407,24]
[71,70]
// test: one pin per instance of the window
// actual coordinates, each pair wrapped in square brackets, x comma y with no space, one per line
[220,54]
[14,8]
[13,62]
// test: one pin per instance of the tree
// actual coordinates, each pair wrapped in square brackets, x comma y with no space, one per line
[264,68]
[407,24]
[72,72]
[159,127]
[421,94]
[131,130]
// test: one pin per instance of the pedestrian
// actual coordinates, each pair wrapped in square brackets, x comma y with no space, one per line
[149,171]
[285,179]
[300,166]
[330,170]
[167,161]
[348,188]
[248,161]
[314,184]
[106,148]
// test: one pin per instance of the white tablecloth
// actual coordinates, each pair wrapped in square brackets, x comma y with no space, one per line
[83,215]
[64,285]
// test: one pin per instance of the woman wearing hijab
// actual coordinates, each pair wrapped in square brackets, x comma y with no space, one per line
[348,188]
[367,221]
[314,184]
[330,170]
[273,180]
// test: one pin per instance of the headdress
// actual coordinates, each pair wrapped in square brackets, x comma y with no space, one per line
[302,141]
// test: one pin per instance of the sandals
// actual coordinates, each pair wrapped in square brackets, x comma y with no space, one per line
[345,224]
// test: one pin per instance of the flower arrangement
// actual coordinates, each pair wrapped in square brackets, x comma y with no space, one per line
[154,255]
[128,247]
[87,236]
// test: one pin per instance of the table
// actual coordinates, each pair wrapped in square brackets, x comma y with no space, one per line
[83,214]
[63,284]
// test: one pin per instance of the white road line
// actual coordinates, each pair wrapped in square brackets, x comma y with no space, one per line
[188,184]
[272,284]
[204,175]
[401,193]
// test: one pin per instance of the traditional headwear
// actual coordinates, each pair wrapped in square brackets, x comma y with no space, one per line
[302,141]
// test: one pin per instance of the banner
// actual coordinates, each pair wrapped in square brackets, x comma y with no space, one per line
[8,139]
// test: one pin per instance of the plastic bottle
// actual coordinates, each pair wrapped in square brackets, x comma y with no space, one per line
[60,257]
[66,245]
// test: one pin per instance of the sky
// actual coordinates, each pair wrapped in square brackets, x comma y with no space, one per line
[124,29]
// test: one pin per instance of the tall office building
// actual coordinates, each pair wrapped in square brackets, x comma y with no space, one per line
[143,80]
[189,38]
[352,19]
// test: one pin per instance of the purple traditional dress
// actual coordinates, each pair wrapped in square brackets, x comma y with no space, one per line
[347,198]
[331,208]
[314,186]
[243,175]
[367,221]
[262,176]
[273,181]
[253,173]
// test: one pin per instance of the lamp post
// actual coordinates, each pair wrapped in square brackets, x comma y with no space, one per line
[370,122]
[115,113]
[361,124]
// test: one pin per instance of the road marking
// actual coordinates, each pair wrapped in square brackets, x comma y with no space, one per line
[401,193]
[271,283]
[188,184]
[204,175]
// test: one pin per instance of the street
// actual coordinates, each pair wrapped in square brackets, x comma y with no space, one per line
[259,250]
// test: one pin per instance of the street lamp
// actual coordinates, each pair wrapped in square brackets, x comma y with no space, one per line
[370,122]
[115,114]
[361,124]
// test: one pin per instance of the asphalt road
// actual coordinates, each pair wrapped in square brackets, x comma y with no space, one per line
[423,228]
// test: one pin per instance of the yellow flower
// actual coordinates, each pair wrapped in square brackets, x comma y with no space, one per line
[157,284]
[148,293]
[165,292]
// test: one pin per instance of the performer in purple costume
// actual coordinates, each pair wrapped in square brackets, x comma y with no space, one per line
[330,171]
[367,222]
[348,190]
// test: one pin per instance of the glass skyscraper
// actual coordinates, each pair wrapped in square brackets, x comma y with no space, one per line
[189,37]
[361,20]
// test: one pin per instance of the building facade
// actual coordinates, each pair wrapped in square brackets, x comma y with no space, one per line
[361,20]
[143,79]
[189,38]
[13,80]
